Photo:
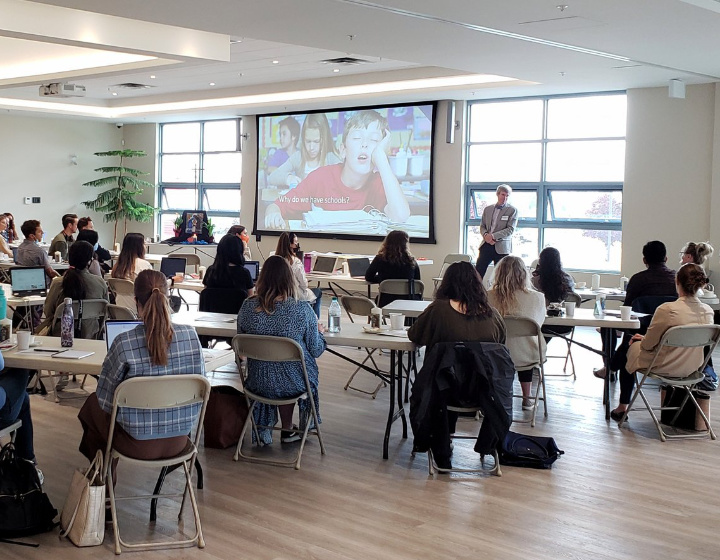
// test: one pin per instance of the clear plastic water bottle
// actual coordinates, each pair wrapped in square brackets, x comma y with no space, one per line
[599,310]
[334,316]
[67,325]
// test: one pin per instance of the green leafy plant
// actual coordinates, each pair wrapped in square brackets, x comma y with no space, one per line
[210,227]
[177,224]
[120,201]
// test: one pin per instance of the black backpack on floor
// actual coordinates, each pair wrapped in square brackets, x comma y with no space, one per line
[534,452]
[24,508]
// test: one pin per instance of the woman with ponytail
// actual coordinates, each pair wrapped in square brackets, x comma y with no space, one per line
[672,362]
[77,283]
[696,253]
[155,347]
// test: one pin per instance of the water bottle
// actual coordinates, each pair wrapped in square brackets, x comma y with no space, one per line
[599,310]
[334,316]
[67,325]
[5,323]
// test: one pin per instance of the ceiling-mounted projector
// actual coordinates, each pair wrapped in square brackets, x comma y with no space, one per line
[60,89]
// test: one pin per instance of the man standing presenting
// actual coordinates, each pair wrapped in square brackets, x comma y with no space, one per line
[497,226]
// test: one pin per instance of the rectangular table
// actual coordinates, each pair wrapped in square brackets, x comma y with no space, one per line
[352,334]
[582,318]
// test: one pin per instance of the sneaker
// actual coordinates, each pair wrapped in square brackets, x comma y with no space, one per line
[599,373]
[528,404]
[41,477]
[290,436]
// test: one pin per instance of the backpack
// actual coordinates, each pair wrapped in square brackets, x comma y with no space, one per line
[24,508]
[533,452]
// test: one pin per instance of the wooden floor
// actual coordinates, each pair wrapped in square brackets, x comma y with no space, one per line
[614,494]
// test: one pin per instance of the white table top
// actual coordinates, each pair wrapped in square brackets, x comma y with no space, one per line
[344,278]
[194,285]
[611,294]
[410,308]
[210,324]
[57,266]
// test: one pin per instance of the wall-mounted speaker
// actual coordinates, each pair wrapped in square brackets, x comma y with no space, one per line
[450,124]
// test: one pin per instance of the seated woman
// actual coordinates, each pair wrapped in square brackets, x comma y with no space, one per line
[460,313]
[15,405]
[4,247]
[696,253]
[287,248]
[131,260]
[77,283]
[556,284]
[512,295]
[91,236]
[157,347]
[228,271]
[675,362]
[241,233]
[274,311]
[393,262]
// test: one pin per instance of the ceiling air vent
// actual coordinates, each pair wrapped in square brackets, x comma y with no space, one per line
[131,85]
[345,60]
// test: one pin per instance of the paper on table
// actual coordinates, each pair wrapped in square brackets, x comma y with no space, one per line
[211,319]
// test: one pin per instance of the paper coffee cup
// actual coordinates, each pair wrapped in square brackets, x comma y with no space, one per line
[58,256]
[23,340]
[397,321]
[581,285]
[201,272]
[625,312]
[595,281]
[570,308]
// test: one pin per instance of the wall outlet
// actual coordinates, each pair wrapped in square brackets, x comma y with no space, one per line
[28,200]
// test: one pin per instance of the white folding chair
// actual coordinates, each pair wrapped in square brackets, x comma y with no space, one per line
[275,349]
[685,336]
[160,392]
[449,259]
[124,292]
[568,340]
[361,307]
[11,430]
[522,327]
[120,313]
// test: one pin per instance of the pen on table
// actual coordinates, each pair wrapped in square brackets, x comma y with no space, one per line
[52,350]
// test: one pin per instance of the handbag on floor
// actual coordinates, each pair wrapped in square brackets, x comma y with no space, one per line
[534,452]
[83,515]
[224,417]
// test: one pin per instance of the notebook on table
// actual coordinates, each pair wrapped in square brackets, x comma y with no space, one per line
[28,281]
[324,265]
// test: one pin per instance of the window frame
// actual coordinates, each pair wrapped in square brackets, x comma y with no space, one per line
[542,188]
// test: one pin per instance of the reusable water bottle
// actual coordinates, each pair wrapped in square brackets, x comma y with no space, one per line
[5,323]
[67,325]
[334,316]
[599,310]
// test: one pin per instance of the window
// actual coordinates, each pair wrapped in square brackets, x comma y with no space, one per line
[565,160]
[200,169]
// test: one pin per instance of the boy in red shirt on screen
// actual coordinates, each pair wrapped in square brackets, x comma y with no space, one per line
[363,179]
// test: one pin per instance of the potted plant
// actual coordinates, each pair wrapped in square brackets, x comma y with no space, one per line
[120,201]
[177,225]
[210,227]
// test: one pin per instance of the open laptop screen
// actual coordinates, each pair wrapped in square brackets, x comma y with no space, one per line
[358,267]
[254,269]
[326,265]
[114,328]
[170,266]
[28,281]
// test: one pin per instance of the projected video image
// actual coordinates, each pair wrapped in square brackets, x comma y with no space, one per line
[360,172]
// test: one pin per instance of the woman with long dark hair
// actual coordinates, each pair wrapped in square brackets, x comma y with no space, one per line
[550,278]
[687,309]
[394,261]
[77,284]
[287,248]
[131,260]
[275,311]
[241,233]
[228,271]
[156,347]
[460,312]
[512,295]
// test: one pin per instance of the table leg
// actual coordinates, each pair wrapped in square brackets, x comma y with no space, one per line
[608,340]
[391,412]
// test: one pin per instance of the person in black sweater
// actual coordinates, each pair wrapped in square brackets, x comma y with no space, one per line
[393,262]
[228,271]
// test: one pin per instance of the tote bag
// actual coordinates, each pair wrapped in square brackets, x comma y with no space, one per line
[83,515]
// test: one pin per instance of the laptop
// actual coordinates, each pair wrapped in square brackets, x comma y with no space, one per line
[170,266]
[114,328]
[358,267]
[254,269]
[324,265]
[14,252]
[28,281]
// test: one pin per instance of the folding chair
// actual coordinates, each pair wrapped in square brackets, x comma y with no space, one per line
[11,430]
[685,336]
[191,259]
[568,339]
[523,327]
[390,290]
[275,349]
[124,292]
[449,259]
[361,306]
[120,313]
[162,392]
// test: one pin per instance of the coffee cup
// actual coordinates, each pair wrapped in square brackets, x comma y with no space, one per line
[23,339]
[397,321]
[570,308]
[625,312]
[201,272]
[58,256]
[581,285]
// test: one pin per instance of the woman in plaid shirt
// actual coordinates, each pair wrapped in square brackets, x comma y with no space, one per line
[156,347]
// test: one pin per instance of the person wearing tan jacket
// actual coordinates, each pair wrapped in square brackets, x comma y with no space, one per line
[673,362]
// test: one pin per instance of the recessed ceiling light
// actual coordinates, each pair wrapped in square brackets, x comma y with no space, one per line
[212,83]
[152,76]
[114,92]
[276,62]
[336,69]
[240,74]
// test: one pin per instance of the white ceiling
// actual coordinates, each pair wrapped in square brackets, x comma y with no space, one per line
[588,45]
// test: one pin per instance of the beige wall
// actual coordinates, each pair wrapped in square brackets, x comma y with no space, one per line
[35,161]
